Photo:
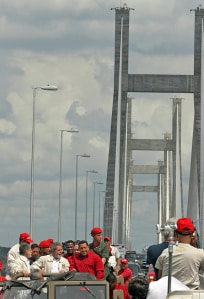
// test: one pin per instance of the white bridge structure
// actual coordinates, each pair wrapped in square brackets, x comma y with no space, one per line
[121,167]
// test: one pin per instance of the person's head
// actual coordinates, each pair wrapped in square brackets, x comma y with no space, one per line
[25,250]
[185,230]
[197,239]
[194,239]
[76,248]
[56,250]
[25,238]
[34,251]
[138,288]
[96,233]
[44,246]
[83,247]
[112,279]
[124,263]
[107,240]
[70,247]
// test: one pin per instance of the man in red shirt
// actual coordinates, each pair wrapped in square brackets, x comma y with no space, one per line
[125,272]
[87,261]
[114,285]
[70,251]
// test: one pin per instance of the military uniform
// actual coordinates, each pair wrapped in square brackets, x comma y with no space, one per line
[103,252]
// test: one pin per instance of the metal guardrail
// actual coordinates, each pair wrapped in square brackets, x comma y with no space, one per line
[201,277]
[190,294]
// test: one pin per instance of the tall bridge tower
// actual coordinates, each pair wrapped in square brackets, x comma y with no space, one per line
[119,161]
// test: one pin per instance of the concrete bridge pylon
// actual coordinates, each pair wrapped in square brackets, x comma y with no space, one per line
[119,161]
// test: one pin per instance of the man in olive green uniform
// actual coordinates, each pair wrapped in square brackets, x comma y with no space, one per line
[100,247]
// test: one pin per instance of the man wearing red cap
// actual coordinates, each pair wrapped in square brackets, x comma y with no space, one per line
[114,285]
[114,259]
[100,248]
[13,253]
[44,246]
[125,271]
[186,259]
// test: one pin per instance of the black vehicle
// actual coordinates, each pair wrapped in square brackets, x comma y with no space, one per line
[142,261]
[131,255]
[135,268]
[68,285]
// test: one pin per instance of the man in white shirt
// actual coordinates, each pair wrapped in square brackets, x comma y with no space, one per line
[54,263]
[13,254]
[22,263]
[114,259]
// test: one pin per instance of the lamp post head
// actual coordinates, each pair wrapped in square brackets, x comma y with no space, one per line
[49,87]
[92,171]
[84,156]
[98,183]
[71,130]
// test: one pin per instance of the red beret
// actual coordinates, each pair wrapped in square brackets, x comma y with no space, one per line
[50,240]
[106,238]
[44,244]
[96,231]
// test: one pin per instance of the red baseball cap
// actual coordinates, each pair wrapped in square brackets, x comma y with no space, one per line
[124,261]
[96,231]
[25,237]
[44,244]
[106,238]
[185,226]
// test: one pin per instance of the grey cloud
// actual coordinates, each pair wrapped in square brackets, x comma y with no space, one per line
[139,124]
[96,120]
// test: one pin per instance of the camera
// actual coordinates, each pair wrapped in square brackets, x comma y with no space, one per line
[167,227]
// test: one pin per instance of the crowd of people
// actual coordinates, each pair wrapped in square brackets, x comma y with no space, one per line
[27,259]
[103,261]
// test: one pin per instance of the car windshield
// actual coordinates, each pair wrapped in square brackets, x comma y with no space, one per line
[135,268]
[22,293]
[151,268]
[130,255]
[82,292]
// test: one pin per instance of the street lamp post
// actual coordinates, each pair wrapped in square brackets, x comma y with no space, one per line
[76,194]
[115,226]
[86,208]
[48,88]
[95,183]
[60,181]
[99,205]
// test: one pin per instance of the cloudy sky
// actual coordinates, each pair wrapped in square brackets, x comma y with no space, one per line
[70,44]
